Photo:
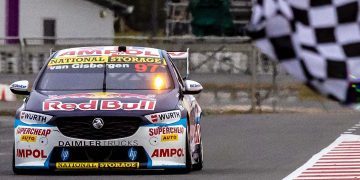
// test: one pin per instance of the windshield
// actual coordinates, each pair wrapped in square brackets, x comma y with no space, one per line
[105,73]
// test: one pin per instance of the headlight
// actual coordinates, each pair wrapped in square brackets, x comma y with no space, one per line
[34,118]
[159,82]
[167,117]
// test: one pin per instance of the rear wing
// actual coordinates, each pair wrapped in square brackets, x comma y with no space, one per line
[181,55]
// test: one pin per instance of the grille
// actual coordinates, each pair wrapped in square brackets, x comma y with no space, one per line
[82,127]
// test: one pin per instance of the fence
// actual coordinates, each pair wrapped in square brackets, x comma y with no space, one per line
[208,55]
[231,69]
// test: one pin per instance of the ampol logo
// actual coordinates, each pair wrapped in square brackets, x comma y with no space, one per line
[35,153]
[173,152]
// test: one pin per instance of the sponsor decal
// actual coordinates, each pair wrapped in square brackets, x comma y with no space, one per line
[77,165]
[18,86]
[98,143]
[28,138]
[78,60]
[169,137]
[110,51]
[96,165]
[26,153]
[165,130]
[102,95]
[65,154]
[33,131]
[197,134]
[165,117]
[170,152]
[88,66]
[119,165]
[34,118]
[105,105]
[154,118]
[194,85]
[132,154]
[132,59]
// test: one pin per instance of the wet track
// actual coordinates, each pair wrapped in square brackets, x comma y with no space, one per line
[254,147]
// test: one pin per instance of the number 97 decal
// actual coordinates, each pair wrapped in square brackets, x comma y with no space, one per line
[142,68]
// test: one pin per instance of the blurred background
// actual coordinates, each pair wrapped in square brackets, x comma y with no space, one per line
[236,77]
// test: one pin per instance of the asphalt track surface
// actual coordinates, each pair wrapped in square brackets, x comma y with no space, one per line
[254,147]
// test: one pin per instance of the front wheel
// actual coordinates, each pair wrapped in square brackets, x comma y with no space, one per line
[199,165]
[188,154]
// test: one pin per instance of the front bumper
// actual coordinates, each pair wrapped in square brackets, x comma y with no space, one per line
[153,146]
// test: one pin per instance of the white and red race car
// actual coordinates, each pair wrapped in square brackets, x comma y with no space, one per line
[108,108]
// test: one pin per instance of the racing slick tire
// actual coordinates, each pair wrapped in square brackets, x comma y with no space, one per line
[198,166]
[188,156]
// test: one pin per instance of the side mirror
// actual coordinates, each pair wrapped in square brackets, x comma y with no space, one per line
[192,87]
[20,87]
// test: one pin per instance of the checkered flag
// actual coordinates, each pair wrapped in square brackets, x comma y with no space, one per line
[317,41]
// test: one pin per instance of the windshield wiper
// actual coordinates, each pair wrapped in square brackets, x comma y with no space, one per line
[104,80]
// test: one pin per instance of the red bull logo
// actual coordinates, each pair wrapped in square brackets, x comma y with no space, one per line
[105,105]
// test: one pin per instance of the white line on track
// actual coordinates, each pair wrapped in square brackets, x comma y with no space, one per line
[340,160]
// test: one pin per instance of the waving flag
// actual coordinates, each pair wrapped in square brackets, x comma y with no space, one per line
[317,41]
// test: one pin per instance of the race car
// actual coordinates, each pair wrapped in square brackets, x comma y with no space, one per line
[108,108]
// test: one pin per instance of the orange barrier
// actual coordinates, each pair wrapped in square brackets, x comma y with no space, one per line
[6,94]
